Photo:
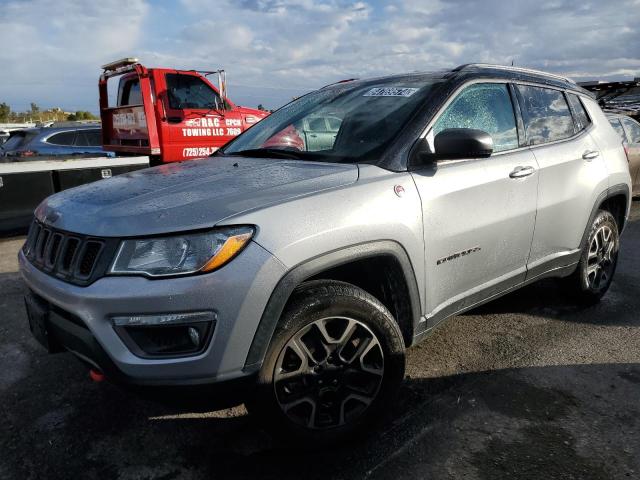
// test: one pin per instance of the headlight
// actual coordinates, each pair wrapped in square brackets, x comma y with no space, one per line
[180,254]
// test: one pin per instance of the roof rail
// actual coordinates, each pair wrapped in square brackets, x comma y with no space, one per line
[514,69]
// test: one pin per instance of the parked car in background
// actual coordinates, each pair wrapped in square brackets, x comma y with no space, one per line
[53,141]
[320,132]
[629,131]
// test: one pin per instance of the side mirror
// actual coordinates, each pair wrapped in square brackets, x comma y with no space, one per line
[451,144]
[457,143]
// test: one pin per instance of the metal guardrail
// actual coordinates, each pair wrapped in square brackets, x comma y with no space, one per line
[24,184]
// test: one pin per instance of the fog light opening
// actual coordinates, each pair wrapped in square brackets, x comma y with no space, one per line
[166,335]
[194,335]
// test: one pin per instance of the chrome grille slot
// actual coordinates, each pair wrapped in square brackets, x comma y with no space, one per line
[70,257]
[53,249]
[88,257]
[69,253]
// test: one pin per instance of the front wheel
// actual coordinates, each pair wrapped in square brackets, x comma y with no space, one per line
[334,363]
[598,260]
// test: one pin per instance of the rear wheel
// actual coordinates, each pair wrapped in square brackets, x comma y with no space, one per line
[335,362]
[598,261]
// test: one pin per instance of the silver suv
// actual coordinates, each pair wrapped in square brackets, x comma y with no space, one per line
[305,273]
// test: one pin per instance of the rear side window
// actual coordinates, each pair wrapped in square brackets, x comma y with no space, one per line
[633,130]
[62,138]
[615,123]
[546,115]
[580,114]
[334,123]
[486,107]
[88,138]
[188,91]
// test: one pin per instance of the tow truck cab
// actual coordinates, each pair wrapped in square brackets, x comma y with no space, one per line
[170,115]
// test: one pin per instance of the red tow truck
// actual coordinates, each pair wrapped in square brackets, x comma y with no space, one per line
[170,115]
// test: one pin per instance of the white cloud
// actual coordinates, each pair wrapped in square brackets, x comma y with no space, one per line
[51,47]
[274,49]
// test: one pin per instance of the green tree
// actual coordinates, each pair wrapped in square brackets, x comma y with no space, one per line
[5,112]
[81,115]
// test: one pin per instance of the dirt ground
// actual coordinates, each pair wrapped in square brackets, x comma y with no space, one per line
[526,387]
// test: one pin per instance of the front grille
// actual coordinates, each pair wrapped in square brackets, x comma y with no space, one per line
[74,258]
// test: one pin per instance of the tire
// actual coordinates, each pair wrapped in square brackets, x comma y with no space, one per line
[598,260]
[312,391]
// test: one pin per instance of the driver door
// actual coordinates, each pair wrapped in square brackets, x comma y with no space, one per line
[478,214]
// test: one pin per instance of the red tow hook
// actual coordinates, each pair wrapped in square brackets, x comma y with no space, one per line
[96,376]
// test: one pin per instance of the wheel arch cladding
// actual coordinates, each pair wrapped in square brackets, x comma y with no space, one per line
[616,203]
[381,268]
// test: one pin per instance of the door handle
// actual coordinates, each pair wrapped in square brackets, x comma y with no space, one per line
[520,172]
[590,155]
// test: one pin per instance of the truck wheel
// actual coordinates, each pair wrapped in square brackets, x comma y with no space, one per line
[335,362]
[598,261]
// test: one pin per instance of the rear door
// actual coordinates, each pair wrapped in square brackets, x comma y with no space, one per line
[478,216]
[572,174]
[632,129]
[196,122]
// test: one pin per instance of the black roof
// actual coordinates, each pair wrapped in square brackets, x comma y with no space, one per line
[481,70]
[472,71]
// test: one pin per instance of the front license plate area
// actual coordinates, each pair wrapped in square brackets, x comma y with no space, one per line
[38,316]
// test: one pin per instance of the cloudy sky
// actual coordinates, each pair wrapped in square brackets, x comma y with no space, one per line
[51,50]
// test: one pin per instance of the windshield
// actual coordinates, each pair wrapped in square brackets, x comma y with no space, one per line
[347,122]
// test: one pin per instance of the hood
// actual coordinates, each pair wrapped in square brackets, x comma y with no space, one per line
[187,196]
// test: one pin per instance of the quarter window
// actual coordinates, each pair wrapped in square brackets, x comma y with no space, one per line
[580,114]
[546,114]
[486,107]
[633,130]
[88,138]
[188,91]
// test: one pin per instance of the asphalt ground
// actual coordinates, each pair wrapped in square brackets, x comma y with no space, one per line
[526,387]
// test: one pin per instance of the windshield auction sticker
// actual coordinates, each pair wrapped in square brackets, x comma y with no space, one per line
[390,92]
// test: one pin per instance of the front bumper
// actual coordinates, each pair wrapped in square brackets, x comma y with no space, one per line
[238,293]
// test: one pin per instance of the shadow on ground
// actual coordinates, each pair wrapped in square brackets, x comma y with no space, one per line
[512,423]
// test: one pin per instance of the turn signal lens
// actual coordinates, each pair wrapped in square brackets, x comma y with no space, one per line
[229,249]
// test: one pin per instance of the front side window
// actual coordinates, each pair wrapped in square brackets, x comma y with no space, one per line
[615,123]
[486,107]
[188,91]
[547,116]
[62,138]
[633,130]
[317,124]
[581,118]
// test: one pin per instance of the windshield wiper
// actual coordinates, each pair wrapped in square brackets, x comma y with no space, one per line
[268,153]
